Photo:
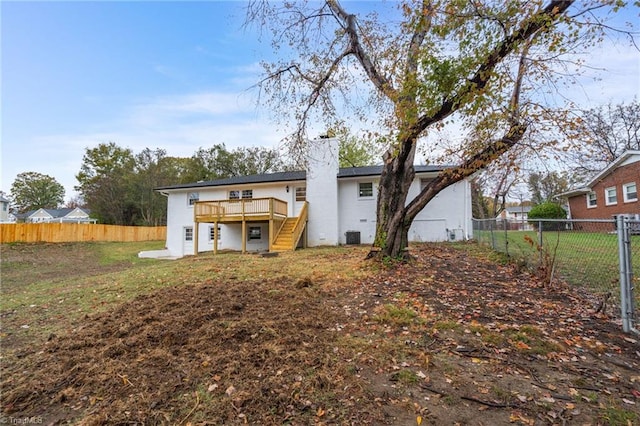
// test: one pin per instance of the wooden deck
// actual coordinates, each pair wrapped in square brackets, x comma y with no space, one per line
[241,211]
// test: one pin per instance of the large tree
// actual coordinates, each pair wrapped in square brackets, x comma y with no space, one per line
[545,186]
[356,151]
[104,183]
[218,162]
[608,131]
[479,65]
[33,190]
[152,169]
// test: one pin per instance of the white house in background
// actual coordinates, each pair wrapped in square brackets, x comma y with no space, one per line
[517,217]
[66,215]
[5,215]
[281,211]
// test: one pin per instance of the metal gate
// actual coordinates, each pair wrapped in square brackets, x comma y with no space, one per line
[626,227]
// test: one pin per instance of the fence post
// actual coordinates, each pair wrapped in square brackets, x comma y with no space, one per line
[505,224]
[493,238]
[626,279]
[540,240]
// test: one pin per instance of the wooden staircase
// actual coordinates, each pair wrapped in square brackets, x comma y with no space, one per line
[284,240]
[291,231]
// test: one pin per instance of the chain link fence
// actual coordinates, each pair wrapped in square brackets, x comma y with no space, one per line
[584,253]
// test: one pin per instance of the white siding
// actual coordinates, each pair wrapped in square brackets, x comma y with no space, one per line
[449,211]
[322,193]
[180,214]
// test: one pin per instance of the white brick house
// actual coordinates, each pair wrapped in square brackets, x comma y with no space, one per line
[325,205]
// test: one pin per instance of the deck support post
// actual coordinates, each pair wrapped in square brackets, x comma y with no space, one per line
[195,238]
[215,237]
[244,236]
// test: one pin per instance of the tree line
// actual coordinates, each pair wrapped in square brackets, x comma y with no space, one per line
[117,185]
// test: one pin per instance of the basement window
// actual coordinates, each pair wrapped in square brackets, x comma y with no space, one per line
[365,189]
[255,233]
[212,233]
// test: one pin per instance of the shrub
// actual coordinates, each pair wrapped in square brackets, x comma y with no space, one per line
[548,210]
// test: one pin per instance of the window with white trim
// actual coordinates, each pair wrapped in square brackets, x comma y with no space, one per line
[188,233]
[592,200]
[630,192]
[192,197]
[255,233]
[234,195]
[301,193]
[610,196]
[247,193]
[365,189]
[212,233]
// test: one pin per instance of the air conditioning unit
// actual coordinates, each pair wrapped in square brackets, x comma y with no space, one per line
[353,237]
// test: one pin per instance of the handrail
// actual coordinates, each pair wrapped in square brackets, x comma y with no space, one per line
[299,225]
[240,208]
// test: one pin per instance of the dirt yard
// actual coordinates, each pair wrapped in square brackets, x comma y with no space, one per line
[313,337]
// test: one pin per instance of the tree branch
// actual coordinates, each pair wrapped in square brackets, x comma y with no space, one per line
[349,23]
[484,72]
[485,156]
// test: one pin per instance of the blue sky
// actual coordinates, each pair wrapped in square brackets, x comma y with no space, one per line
[172,75]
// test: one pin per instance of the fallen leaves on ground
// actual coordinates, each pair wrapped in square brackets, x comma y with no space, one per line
[449,338]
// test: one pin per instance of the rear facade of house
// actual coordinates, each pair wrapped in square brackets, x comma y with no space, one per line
[337,206]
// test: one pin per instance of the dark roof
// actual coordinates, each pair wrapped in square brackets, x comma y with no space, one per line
[56,213]
[238,180]
[292,176]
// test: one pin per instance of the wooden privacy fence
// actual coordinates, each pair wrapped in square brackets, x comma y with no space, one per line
[77,232]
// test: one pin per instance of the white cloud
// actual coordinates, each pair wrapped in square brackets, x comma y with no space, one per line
[179,124]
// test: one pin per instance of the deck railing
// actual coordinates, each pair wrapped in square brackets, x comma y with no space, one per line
[300,224]
[242,209]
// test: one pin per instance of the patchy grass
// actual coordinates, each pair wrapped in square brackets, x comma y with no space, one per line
[398,316]
[587,259]
[316,336]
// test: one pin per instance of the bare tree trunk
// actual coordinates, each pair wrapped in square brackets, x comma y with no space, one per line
[392,228]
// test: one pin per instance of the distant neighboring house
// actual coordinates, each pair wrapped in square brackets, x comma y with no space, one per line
[517,217]
[515,213]
[5,214]
[324,205]
[66,215]
[612,192]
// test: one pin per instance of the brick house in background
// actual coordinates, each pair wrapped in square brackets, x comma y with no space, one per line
[612,192]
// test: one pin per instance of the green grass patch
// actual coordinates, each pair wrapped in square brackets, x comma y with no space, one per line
[401,316]
[445,325]
[582,258]
[615,416]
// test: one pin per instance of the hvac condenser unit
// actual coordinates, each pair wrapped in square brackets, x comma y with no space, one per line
[353,237]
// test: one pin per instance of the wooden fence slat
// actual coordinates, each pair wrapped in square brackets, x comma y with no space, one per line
[77,232]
